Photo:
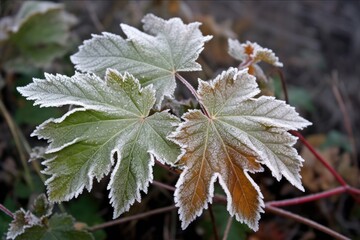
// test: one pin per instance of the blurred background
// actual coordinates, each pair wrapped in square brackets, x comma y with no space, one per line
[318,42]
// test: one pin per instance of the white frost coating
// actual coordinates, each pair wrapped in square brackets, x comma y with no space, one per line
[185,222]
[86,90]
[228,89]
[251,50]
[84,141]
[36,133]
[240,131]
[154,59]
[118,211]
[231,209]
[172,135]
[54,150]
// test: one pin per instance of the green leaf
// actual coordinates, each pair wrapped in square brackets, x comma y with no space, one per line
[60,226]
[37,34]
[111,127]
[239,133]
[42,207]
[22,221]
[153,57]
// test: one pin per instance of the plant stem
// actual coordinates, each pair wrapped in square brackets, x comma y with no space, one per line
[213,222]
[346,117]
[246,63]
[6,211]
[227,229]
[131,218]
[309,198]
[17,139]
[273,206]
[320,158]
[193,91]
[283,85]
[163,185]
[303,220]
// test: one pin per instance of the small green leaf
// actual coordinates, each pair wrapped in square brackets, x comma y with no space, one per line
[111,127]
[60,226]
[37,34]
[153,57]
[22,221]
[42,207]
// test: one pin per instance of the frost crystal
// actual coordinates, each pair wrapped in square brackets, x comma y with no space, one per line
[153,56]
[110,127]
[240,134]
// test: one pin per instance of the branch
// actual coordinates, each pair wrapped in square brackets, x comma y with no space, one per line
[309,198]
[283,85]
[6,211]
[213,222]
[320,158]
[273,206]
[163,185]
[227,229]
[193,91]
[305,221]
[12,126]
[131,218]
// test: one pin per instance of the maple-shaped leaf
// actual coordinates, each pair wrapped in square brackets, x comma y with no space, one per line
[153,56]
[252,51]
[240,133]
[111,126]
[250,54]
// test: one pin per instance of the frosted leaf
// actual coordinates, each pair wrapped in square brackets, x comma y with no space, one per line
[252,51]
[22,221]
[112,126]
[153,56]
[240,133]
[38,33]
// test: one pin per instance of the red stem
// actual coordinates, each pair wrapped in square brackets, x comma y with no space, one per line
[193,91]
[213,222]
[6,211]
[246,63]
[320,158]
[309,198]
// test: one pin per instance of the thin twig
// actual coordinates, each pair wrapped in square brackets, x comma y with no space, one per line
[245,64]
[193,92]
[320,158]
[308,198]
[283,85]
[163,185]
[213,222]
[345,113]
[272,206]
[6,211]
[131,218]
[305,221]
[93,16]
[227,229]
[14,132]
[27,149]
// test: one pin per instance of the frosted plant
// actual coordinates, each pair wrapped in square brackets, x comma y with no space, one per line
[117,128]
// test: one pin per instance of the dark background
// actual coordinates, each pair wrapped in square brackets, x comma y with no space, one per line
[319,44]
